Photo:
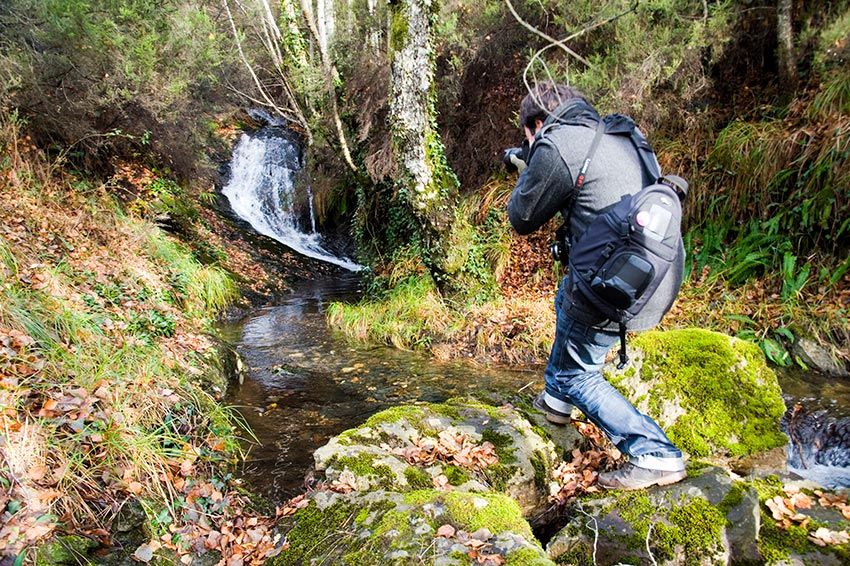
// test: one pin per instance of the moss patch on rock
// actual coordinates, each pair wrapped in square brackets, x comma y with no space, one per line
[376,454]
[387,527]
[713,394]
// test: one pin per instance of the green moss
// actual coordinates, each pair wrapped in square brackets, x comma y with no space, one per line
[392,528]
[776,545]
[363,465]
[410,413]
[398,28]
[467,402]
[526,557]
[456,475]
[541,432]
[314,532]
[698,528]
[694,525]
[69,549]
[731,398]
[446,410]
[767,487]
[503,443]
[498,475]
[497,512]
[733,498]
[579,555]
[462,558]
[538,462]
[418,478]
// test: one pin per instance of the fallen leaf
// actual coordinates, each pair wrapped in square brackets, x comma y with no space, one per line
[446,531]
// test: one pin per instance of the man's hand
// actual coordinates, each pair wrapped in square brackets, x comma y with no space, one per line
[516,158]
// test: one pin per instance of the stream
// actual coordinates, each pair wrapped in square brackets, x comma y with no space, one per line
[305,384]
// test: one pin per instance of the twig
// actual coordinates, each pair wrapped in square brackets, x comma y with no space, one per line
[595,529]
[526,386]
[547,37]
[559,43]
[648,551]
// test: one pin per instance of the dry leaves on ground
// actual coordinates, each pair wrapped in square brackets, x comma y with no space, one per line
[451,447]
[580,474]
[478,549]
[784,512]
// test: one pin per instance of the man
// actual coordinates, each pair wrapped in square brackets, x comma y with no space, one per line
[560,127]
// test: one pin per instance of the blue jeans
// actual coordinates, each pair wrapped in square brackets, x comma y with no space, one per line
[573,376]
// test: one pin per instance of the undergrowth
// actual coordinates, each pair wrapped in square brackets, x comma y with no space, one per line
[107,377]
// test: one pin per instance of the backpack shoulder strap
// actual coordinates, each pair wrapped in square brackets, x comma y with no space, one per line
[646,154]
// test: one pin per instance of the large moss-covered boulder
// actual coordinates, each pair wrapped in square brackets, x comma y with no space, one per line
[416,527]
[461,444]
[714,395]
[708,519]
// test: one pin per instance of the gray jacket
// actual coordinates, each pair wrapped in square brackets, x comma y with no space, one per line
[544,188]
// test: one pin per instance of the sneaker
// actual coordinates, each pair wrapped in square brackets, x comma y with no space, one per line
[631,477]
[552,415]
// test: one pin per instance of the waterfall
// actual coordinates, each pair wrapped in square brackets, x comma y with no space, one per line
[262,192]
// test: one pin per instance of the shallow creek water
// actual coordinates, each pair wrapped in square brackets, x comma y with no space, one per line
[304,384]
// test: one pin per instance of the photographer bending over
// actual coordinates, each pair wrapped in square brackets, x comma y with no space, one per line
[581,165]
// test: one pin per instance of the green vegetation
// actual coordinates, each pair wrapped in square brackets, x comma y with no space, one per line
[107,376]
[731,400]
[352,530]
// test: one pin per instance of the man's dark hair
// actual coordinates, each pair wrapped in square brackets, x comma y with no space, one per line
[550,95]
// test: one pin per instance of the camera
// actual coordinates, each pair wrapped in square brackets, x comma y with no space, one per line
[560,248]
[516,158]
[560,251]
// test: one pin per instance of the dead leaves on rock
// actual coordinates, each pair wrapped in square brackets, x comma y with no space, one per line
[450,447]
[580,474]
[478,549]
[784,512]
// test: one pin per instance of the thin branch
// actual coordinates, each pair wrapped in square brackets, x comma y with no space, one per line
[244,59]
[595,529]
[549,38]
[648,551]
[555,43]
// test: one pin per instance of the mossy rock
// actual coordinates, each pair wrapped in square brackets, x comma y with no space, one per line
[367,457]
[714,395]
[792,546]
[691,524]
[64,549]
[381,527]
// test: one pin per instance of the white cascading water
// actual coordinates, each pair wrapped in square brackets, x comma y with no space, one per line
[261,191]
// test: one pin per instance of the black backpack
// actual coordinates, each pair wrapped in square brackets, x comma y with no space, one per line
[625,252]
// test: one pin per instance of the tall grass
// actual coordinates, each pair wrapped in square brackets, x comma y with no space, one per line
[96,406]
[202,288]
[408,316]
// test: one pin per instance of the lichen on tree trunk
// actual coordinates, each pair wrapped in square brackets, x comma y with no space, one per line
[426,184]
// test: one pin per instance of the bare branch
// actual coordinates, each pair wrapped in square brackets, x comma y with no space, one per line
[648,551]
[595,529]
[550,39]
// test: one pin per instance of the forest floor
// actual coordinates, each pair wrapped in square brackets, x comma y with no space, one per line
[110,378]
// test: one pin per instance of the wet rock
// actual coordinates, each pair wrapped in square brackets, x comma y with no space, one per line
[382,453]
[706,519]
[816,356]
[130,517]
[382,527]
[714,395]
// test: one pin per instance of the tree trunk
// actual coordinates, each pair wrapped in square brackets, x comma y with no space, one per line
[785,35]
[426,182]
